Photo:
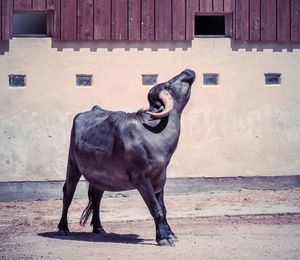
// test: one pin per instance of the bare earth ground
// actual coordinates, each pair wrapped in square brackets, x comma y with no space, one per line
[236,225]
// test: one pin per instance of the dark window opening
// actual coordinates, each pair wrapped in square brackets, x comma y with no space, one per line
[272,79]
[30,24]
[211,79]
[17,80]
[84,80]
[206,25]
[149,79]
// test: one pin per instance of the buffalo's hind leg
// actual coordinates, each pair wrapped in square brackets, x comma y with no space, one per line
[160,198]
[73,176]
[93,206]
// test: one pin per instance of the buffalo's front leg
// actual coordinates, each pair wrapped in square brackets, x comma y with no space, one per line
[157,212]
[160,198]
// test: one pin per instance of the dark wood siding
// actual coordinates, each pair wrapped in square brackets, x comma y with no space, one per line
[147,20]
[134,20]
[268,20]
[85,23]
[178,16]
[119,19]
[22,4]
[295,20]
[218,5]
[206,5]
[0,20]
[229,7]
[54,6]
[242,20]
[7,10]
[68,20]
[102,19]
[161,20]
[283,20]
[254,20]
[39,4]
[192,7]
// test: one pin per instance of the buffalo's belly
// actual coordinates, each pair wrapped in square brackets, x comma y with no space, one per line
[108,185]
[106,178]
[118,173]
[114,181]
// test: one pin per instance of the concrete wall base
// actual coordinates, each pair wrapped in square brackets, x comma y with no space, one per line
[46,190]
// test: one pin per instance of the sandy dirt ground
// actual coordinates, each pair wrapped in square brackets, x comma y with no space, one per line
[28,229]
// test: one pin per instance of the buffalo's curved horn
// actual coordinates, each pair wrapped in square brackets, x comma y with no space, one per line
[168,103]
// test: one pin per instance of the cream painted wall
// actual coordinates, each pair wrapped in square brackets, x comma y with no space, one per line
[240,128]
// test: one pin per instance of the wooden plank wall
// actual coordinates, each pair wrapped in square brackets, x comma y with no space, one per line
[54,6]
[119,19]
[242,20]
[102,18]
[254,20]
[178,20]
[147,20]
[267,20]
[0,19]
[134,20]
[161,20]
[85,20]
[6,13]
[283,20]
[295,20]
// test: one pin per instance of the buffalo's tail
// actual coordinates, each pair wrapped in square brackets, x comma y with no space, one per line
[89,209]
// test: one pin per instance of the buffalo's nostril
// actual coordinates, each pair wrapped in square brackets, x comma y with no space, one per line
[190,76]
[190,73]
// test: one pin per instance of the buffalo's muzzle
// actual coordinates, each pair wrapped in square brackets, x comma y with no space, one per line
[189,76]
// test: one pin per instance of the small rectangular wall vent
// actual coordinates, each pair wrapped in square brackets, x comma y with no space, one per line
[272,79]
[17,80]
[149,79]
[211,79]
[83,80]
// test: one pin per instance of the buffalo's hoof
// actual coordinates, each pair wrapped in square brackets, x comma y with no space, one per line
[63,232]
[173,238]
[166,242]
[99,230]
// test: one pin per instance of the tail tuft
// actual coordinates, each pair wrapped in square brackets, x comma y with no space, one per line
[88,210]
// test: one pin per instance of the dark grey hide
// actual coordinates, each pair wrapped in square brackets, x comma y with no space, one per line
[118,151]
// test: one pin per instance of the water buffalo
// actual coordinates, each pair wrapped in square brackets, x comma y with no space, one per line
[118,151]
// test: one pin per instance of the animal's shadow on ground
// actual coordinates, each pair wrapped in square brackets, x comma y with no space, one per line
[107,238]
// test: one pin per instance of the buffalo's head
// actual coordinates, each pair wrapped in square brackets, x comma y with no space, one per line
[173,94]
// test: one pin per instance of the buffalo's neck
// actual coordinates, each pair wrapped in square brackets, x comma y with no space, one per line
[173,129]
[164,132]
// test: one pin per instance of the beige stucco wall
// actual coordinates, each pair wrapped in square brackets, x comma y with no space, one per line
[240,128]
